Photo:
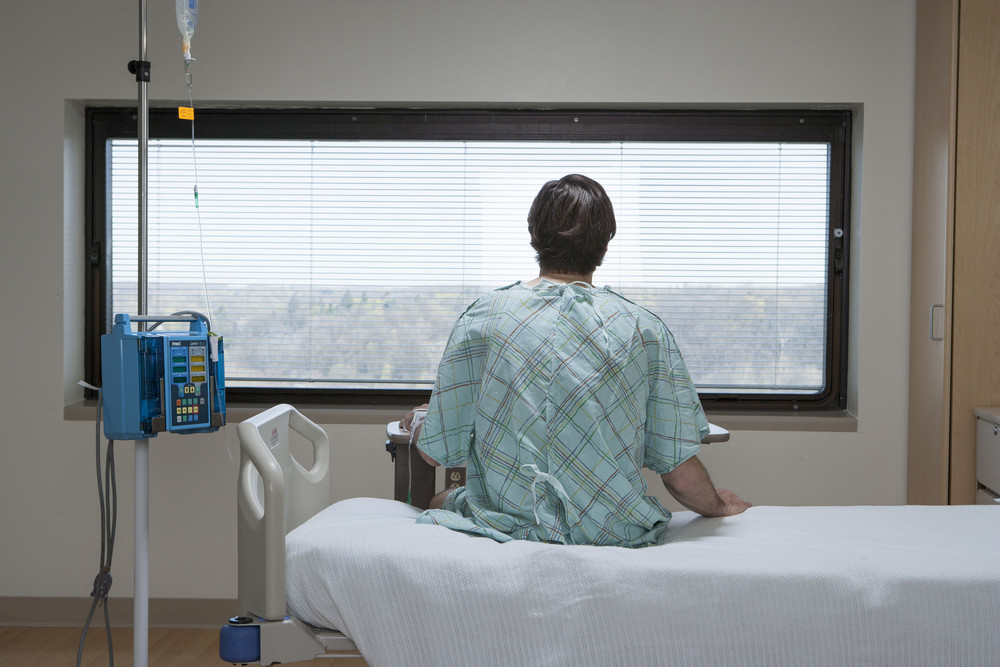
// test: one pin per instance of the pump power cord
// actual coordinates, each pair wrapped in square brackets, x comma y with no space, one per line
[107,492]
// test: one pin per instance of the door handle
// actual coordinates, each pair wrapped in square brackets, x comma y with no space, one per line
[933,306]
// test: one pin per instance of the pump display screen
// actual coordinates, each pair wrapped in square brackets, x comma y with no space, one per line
[187,370]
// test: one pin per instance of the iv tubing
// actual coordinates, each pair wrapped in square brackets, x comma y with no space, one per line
[197,208]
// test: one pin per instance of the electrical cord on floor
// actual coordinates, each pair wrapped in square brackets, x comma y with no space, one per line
[107,491]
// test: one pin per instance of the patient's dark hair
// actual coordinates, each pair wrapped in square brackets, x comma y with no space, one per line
[571,223]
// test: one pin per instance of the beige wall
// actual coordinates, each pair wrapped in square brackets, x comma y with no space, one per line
[60,54]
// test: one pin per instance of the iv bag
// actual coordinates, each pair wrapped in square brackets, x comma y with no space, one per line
[187,20]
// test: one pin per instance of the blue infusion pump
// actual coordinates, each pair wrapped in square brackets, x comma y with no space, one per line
[162,381]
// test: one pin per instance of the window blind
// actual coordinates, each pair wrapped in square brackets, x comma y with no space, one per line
[344,264]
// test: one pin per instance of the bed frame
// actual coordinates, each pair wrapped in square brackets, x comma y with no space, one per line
[955,621]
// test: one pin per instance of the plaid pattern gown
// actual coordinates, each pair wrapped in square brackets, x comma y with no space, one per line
[555,397]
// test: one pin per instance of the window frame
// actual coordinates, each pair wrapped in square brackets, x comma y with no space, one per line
[827,126]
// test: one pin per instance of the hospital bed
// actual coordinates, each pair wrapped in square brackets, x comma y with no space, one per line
[894,585]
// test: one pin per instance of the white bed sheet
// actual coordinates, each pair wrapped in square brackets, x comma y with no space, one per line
[774,586]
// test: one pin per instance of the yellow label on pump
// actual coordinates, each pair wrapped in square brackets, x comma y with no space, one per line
[185,113]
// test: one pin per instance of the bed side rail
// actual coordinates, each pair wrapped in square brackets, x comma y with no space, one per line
[275,493]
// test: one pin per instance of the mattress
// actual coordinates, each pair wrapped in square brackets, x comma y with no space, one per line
[900,585]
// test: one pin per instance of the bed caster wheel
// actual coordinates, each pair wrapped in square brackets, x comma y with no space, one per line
[239,641]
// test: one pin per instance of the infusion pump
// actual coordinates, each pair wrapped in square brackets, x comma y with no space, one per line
[162,381]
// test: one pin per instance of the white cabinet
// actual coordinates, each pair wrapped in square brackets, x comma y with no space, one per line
[987,455]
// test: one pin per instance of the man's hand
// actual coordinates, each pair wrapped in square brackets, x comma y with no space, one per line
[407,421]
[732,503]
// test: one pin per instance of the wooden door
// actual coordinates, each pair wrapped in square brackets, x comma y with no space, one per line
[975,369]
[930,297]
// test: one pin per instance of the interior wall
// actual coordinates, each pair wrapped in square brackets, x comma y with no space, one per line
[61,55]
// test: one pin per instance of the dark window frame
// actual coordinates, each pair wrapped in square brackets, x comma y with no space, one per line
[831,126]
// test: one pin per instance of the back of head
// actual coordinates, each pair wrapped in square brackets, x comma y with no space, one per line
[571,223]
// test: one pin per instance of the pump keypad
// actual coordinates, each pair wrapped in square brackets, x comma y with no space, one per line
[188,384]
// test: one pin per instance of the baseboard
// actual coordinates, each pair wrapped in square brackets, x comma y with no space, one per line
[71,612]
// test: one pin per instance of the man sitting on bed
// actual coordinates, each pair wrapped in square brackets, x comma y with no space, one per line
[556,393]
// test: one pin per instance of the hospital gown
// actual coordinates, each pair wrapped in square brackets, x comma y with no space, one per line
[556,396]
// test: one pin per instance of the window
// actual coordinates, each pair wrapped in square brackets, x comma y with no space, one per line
[334,249]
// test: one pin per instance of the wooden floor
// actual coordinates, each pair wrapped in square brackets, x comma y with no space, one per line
[168,647]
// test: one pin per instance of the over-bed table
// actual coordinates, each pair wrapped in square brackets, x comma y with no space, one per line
[895,585]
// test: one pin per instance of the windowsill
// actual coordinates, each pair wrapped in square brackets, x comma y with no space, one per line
[826,421]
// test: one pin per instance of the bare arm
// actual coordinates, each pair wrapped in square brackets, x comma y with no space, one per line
[431,462]
[691,486]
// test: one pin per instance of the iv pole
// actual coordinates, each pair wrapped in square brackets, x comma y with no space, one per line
[140,613]
[140,651]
